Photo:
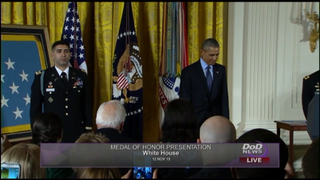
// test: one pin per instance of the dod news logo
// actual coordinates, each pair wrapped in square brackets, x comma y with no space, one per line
[255,154]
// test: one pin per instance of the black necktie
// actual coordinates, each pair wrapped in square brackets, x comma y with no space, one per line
[209,77]
[64,79]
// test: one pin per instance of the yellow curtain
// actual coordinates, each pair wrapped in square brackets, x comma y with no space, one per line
[100,23]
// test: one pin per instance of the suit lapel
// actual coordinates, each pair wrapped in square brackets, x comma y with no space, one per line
[72,78]
[216,77]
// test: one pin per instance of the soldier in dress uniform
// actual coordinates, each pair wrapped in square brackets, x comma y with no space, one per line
[68,96]
[308,90]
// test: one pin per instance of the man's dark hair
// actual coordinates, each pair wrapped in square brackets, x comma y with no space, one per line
[264,136]
[47,128]
[62,42]
[310,161]
[210,42]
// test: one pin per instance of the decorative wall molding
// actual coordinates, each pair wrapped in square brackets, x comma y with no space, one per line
[296,60]
[268,56]
[235,64]
[260,53]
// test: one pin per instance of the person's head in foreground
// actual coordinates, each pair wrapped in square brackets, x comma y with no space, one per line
[263,136]
[179,123]
[28,156]
[47,128]
[97,173]
[217,129]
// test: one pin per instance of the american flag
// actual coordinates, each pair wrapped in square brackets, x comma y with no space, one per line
[17,74]
[71,32]
[123,82]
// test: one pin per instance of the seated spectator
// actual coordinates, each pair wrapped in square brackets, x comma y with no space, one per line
[216,129]
[110,121]
[47,128]
[96,173]
[263,136]
[310,161]
[28,156]
[179,123]
[179,126]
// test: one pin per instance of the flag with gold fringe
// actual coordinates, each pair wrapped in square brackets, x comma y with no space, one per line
[71,32]
[127,75]
[174,56]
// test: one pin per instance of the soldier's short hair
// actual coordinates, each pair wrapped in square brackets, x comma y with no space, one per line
[61,42]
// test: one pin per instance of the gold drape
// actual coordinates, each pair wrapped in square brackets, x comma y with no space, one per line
[100,22]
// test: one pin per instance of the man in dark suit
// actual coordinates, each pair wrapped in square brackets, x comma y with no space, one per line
[64,91]
[204,84]
[308,90]
[110,121]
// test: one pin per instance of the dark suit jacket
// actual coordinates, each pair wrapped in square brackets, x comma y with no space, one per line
[73,104]
[114,136]
[308,89]
[193,87]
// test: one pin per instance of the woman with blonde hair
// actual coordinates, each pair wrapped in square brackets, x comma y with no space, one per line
[97,173]
[28,156]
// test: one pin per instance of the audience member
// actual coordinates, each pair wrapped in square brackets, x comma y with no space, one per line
[47,128]
[28,156]
[263,136]
[92,138]
[179,126]
[96,173]
[216,129]
[179,123]
[110,121]
[310,161]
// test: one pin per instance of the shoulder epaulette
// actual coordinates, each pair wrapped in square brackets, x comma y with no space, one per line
[38,72]
[306,77]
